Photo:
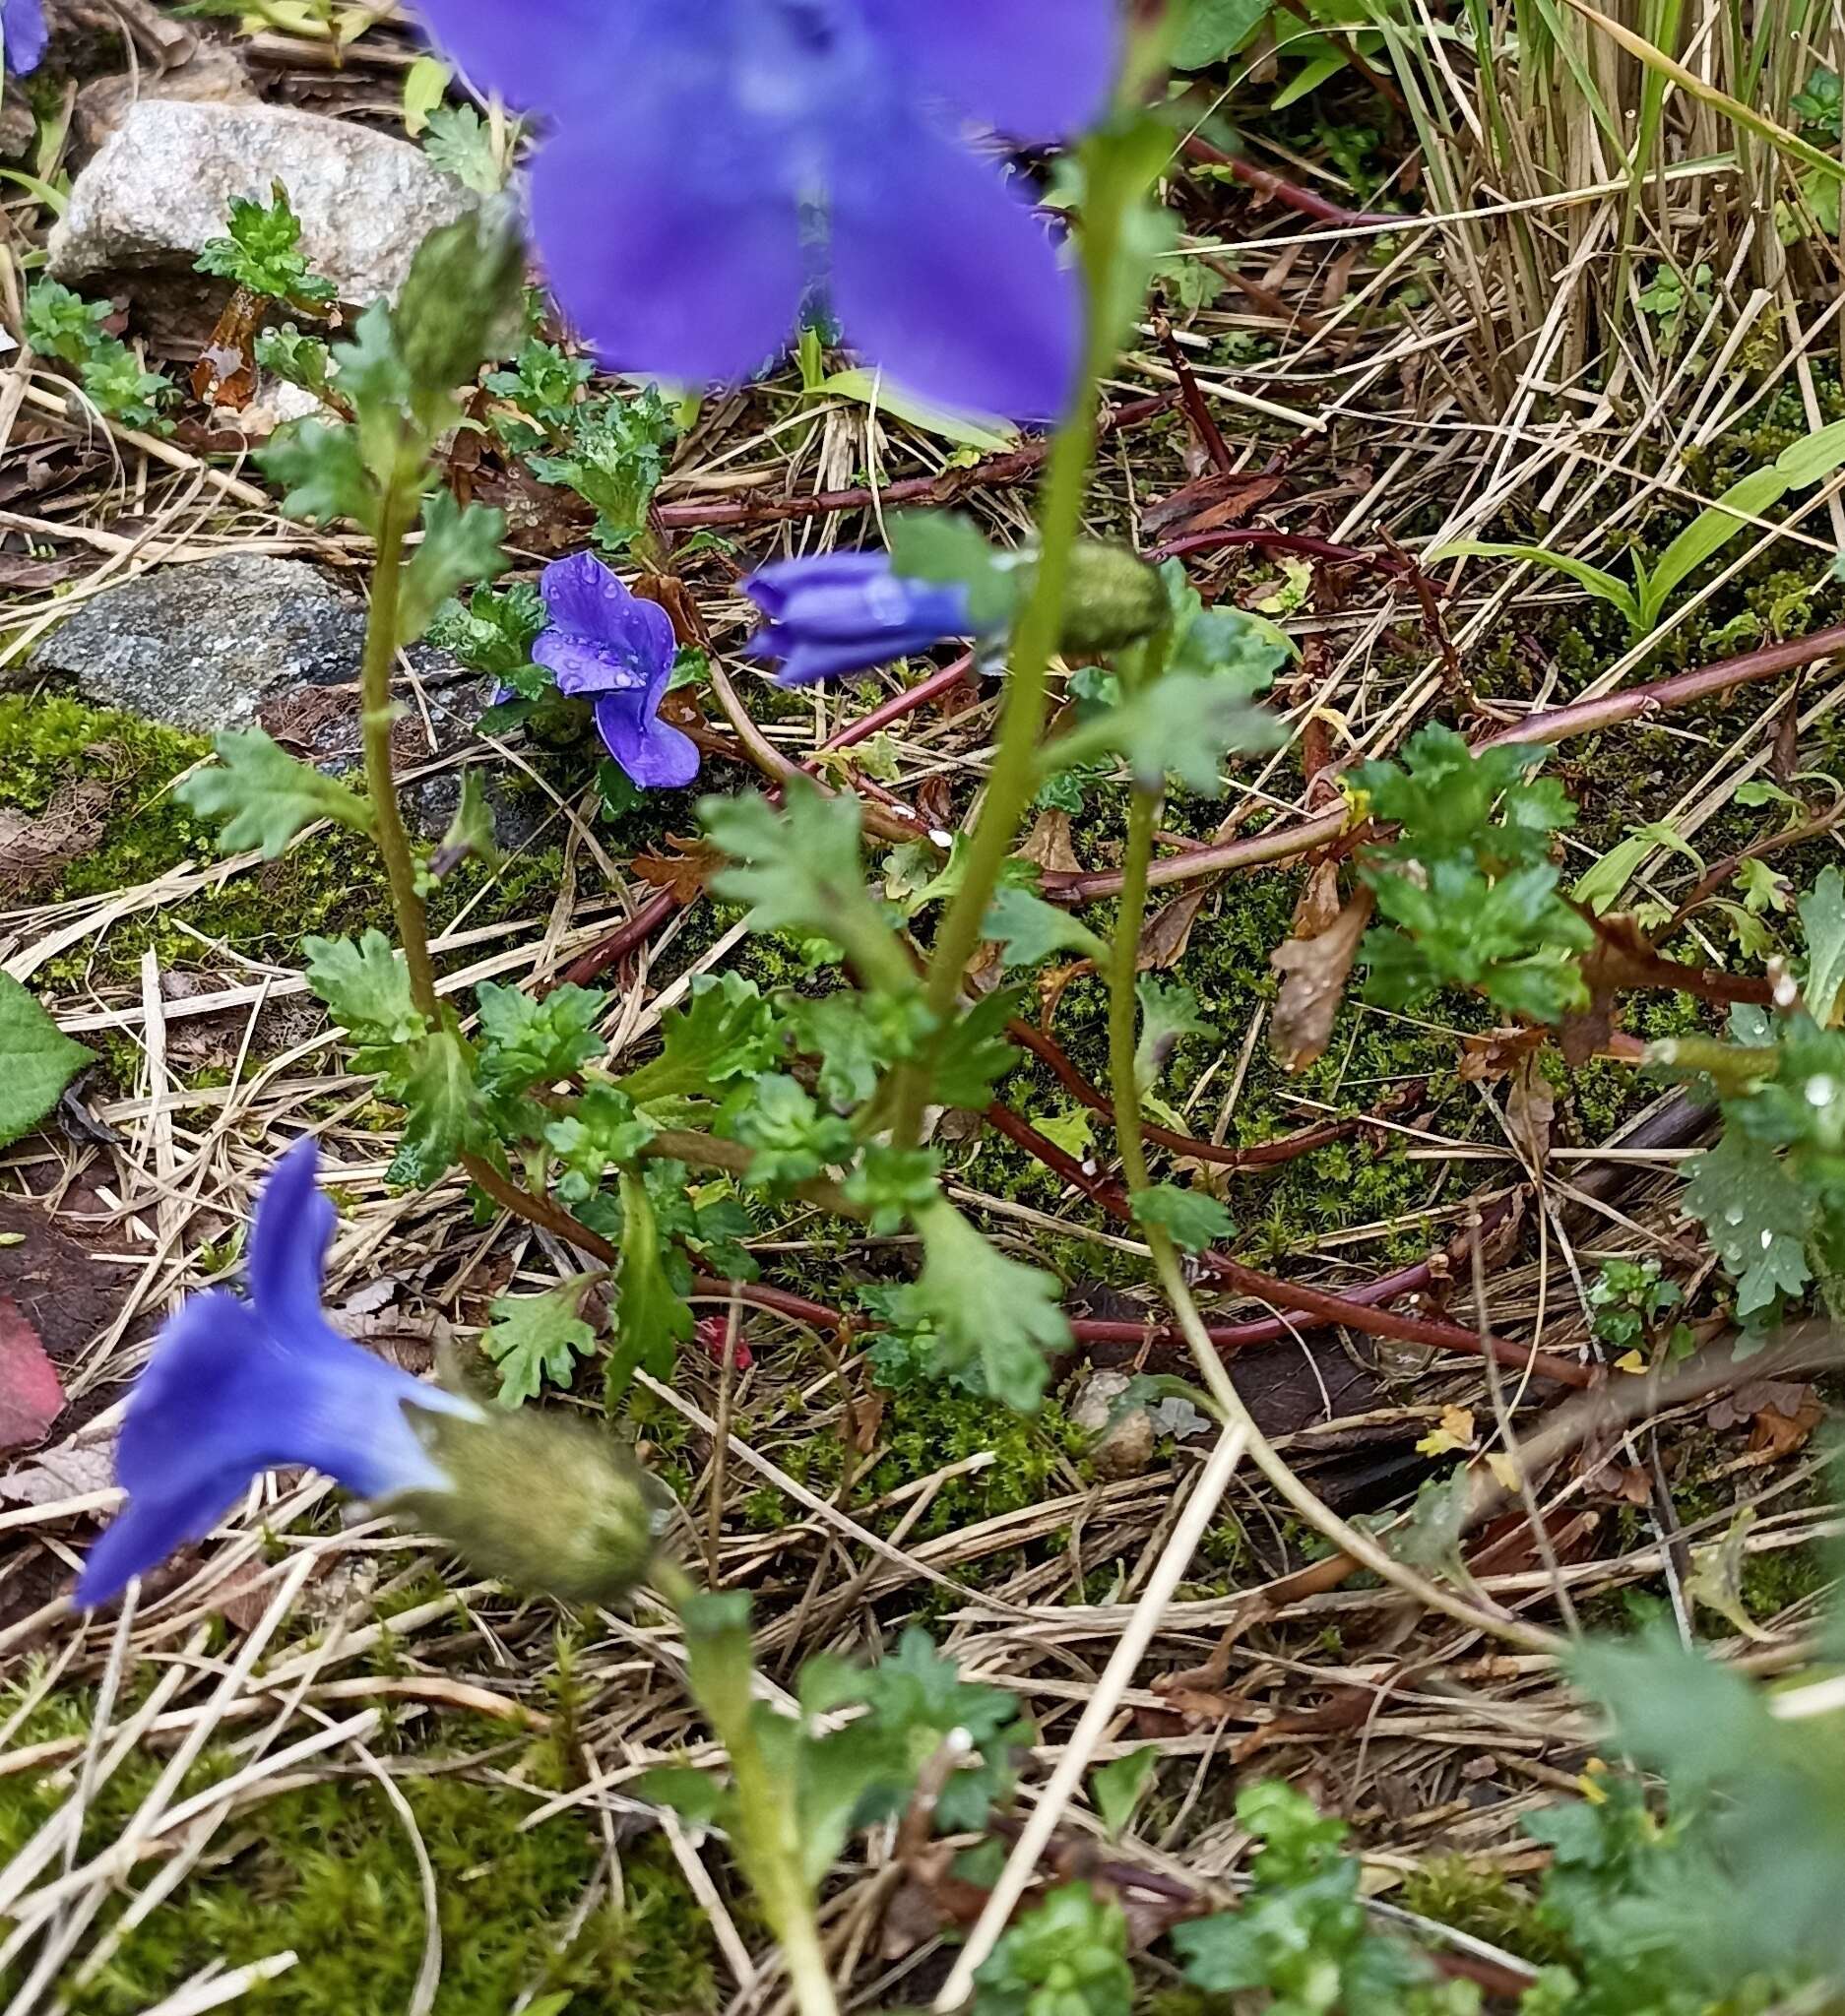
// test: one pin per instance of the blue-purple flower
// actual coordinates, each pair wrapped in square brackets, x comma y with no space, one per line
[712,163]
[609,646]
[844,612]
[235,1388]
[23,29]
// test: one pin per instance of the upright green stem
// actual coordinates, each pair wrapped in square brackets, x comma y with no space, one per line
[1130,1141]
[1012,780]
[398,515]
[765,1822]
[1123,1000]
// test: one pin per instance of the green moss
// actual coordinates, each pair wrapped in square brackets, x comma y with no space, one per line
[328,1872]
[1483,1902]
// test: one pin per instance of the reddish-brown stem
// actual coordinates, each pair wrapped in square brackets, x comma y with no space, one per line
[1554,725]
[1278,189]
[1319,1303]
[936,687]
[1308,545]
[998,472]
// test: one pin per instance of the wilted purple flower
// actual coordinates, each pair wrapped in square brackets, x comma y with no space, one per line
[844,612]
[236,1388]
[709,163]
[22,27]
[609,646]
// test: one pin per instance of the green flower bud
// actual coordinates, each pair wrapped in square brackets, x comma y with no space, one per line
[542,1501]
[461,299]
[1113,598]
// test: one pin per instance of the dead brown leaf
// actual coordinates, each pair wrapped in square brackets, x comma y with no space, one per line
[1049,844]
[70,826]
[1531,1108]
[1166,934]
[684,872]
[1314,973]
[1498,1054]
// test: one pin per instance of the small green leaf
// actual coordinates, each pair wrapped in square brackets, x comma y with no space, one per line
[366,987]
[793,1138]
[602,1132]
[37,1060]
[987,1310]
[425,82]
[459,544]
[975,1054]
[444,1114]
[263,253]
[321,473]
[724,1031]
[1191,1219]
[1757,1215]
[536,1340]
[800,871]
[651,1320]
[893,1183]
[1600,887]
[1117,1787]
[461,144]
[1067,1957]
[1168,1013]
[1211,29]
[1028,929]
[264,797]
[528,1043]
[1822,914]
[1184,726]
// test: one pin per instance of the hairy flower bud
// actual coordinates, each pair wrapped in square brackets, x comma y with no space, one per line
[540,1500]
[1113,598]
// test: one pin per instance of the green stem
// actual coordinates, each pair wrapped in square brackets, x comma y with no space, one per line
[1122,1017]
[1123,1000]
[765,1825]
[397,515]
[1013,777]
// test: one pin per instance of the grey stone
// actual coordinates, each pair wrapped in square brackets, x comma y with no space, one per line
[161,185]
[206,647]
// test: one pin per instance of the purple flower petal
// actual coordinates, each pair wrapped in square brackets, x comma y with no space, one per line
[844,612]
[235,1389]
[946,279]
[602,639]
[289,1239]
[22,27]
[666,239]
[652,754]
[1036,70]
[773,586]
[538,54]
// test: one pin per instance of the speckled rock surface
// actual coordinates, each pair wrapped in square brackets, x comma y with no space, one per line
[207,646]
[163,184]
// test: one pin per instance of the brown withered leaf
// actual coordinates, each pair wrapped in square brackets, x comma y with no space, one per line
[684,871]
[225,373]
[31,1395]
[1345,1708]
[1317,909]
[71,825]
[1774,1435]
[1313,973]
[1049,844]
[1531,1108]
[1782,1414]
[1498,1054]
[1166,934]
[1211,502]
